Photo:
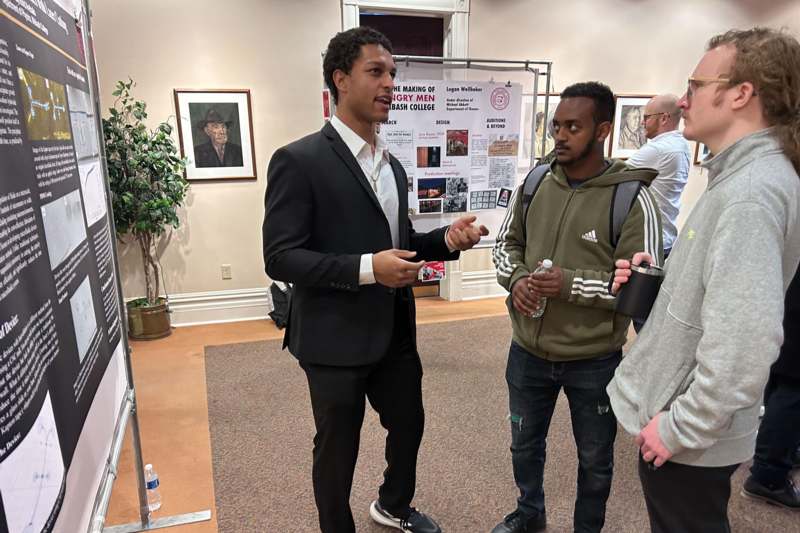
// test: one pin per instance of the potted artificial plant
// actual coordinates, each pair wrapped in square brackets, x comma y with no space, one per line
[147,185]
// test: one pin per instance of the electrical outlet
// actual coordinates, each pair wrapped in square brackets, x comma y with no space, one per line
[226,272]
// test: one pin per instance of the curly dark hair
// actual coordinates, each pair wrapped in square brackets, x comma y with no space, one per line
[602,95]
[344,49]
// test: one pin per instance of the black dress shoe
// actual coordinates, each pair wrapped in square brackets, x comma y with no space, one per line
[517,522]
[787,495]
[416,522]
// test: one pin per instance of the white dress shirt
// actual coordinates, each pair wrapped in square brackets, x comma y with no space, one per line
[667,153]
[381,177]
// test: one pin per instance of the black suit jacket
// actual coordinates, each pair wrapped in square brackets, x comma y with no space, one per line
[321,215]
[205,156]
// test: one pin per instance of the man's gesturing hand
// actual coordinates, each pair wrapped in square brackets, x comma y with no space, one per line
[463,234]
[392,269]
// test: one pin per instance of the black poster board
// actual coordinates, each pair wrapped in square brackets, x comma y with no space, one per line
[60,320]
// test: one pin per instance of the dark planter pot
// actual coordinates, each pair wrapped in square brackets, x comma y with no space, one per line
[149,322]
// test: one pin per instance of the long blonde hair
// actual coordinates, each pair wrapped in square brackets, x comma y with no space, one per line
[770,60]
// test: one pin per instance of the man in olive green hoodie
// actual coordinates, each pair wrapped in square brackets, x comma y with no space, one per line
[576,344]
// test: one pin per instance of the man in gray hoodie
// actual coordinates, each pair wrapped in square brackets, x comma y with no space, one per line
[690,387]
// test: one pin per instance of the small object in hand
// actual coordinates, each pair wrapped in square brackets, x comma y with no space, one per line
[636,297]
[545,267]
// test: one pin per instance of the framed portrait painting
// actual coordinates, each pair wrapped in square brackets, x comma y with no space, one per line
[627,131]
[533,125]
[215,128]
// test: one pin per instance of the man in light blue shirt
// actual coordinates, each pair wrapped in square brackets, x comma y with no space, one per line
[668,152]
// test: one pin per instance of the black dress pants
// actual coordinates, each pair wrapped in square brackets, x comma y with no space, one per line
[393,386]
[686,499]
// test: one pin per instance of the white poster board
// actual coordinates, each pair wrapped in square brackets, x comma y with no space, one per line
[459,143]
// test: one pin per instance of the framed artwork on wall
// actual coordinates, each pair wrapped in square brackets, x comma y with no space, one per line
[535,117]
[701,152]
[627,133]
[215,128]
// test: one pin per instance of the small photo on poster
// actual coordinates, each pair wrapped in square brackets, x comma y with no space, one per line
[84,125]
[44,104]
[482,200]
[455,204]
[457,143]
[502,172]
[503,197]
[64,228]
[430,206]
[432,271]
[410,180]
[93,188]
[456,186]
[428,188]
[503,145]
[429,156]
[84,319]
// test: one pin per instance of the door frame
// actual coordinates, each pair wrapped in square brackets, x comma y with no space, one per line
[454,12]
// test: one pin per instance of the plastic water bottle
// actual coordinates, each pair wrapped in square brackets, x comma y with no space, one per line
[153,496]
[544,267]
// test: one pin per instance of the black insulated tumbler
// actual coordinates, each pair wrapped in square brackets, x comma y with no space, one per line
[637,296]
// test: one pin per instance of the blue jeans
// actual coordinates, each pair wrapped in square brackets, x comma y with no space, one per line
[533,387]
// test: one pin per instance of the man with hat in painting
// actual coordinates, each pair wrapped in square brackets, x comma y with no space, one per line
[218,151]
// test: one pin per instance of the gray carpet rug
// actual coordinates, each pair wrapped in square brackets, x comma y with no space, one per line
[262,429]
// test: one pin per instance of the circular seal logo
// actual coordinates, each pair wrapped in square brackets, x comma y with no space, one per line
[500,98]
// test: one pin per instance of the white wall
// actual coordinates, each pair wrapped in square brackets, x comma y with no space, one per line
[272,47]
[634,46]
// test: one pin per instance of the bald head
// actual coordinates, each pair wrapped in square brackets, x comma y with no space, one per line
[665,103]
[661,114]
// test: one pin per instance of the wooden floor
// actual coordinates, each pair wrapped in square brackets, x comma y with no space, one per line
[170,381]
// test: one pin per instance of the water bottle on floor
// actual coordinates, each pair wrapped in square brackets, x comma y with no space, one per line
[153,495]
[544,267]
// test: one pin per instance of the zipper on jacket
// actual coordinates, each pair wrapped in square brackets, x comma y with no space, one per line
[540,325]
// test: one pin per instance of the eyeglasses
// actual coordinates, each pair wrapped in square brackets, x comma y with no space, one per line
[645,117]
[698,82]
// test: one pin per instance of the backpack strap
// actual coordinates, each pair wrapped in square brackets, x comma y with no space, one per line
[625,194]
[529,188]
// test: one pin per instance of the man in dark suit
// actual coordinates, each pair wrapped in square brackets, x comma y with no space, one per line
[336,226]
[218,151]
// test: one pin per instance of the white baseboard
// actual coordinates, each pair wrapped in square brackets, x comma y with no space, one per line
[191,309]
[480,284]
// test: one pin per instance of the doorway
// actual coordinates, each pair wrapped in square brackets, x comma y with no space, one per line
[410,35]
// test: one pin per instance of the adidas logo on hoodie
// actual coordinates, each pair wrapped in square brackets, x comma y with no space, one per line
[590,236]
